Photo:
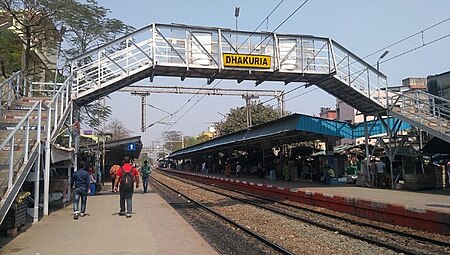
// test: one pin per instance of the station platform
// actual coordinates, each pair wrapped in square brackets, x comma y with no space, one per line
[427,210]
[154,228]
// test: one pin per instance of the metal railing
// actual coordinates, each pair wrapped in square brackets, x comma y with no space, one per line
[360,75]
[198,48]
[17,143]
[13,88]
[423,107]
[30,130]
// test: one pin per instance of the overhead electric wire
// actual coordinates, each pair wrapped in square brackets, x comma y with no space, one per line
[407,37]
[416,48]
[387,47]
[388,59]
[273,10]
[284,21]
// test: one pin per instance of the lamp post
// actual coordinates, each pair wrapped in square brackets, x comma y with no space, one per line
[236,14]
[382,56]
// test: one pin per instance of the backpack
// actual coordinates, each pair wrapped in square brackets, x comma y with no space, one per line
[127,181]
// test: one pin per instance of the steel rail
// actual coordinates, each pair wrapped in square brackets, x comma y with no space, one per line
[352,221]
[380,243]
[228,220]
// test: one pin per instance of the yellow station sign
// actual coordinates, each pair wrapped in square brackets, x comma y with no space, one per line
[246,60]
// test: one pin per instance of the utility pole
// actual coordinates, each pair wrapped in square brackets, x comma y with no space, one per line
[143,96]
[247,94]
[281,105]
[248,105]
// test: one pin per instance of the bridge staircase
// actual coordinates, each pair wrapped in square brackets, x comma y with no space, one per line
[31,116]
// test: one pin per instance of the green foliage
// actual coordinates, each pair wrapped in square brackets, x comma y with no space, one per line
[173,140]
[237,118]
[193,140]
[87,26]
[10,53]
[95,114]
[36,22]
[33,22]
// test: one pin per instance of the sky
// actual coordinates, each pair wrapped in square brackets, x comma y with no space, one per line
[361,26]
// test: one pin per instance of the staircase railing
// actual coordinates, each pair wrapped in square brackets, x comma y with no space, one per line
[20,160]
[13,88]
[358,74]
[60,106]
[423,108]
[22,155]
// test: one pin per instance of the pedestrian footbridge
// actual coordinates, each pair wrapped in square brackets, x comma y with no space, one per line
[219,53]
[190,52]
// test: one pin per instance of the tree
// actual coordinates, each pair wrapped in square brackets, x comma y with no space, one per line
[193,140]
[33,22]
[118,130]
[10,53]
[86,26]
[95,114]
[89,26]
[237,118]
[173,140]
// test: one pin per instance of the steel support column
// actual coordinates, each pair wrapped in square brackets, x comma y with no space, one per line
[37,168]
[47,162]
[366,138]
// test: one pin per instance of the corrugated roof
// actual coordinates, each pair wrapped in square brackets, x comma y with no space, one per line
[289,129]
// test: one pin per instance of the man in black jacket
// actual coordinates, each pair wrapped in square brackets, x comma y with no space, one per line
[80,183]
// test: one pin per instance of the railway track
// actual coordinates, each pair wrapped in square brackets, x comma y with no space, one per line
[389,238]
[162,189]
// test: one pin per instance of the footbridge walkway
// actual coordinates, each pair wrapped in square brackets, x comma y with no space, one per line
[219,53]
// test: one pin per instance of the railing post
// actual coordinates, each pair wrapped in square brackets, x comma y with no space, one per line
[27,136]
[55,119]
[47,161]
[276,51]
[434,106]
[1,100]
[10,90]
[348,69]
[11,163]
[368,84]
[99,60]
[127,58]
[219,42]
[154,44]
[302,55]
[37,167]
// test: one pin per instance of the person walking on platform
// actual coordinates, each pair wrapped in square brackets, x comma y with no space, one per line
[448,172]
[127,176]
[80,182]
[381,168]
[112,173]
[238,169]
[92,181]
[227,169]
[145,172]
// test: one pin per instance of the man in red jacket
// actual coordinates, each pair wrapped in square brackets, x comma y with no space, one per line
[127,175]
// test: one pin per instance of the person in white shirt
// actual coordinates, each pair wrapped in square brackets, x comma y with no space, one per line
[238,169]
